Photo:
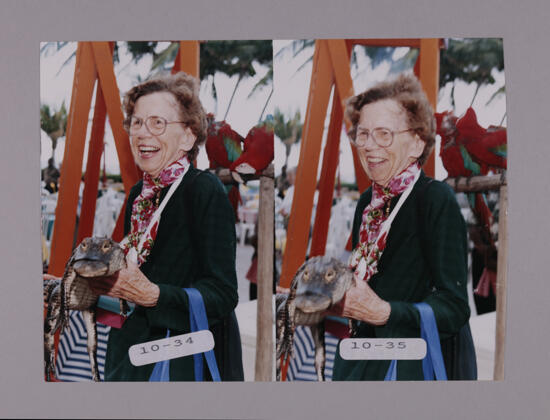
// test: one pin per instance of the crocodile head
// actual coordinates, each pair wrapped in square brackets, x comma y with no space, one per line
[320,283]
[97,256]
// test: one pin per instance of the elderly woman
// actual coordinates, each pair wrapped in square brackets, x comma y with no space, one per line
[192,245]
[423,255]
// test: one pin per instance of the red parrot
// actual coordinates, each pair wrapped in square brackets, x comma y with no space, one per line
[487,147]
[450,151]
[468,149]
[455,135]
[223,144]
[258,150]
[223,147]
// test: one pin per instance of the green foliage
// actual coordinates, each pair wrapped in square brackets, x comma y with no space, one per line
[351,186]
[114,177]
[471,60]
[379,55]
[228,57]
[48,48]
[289,130]
[139,49]
[54,124]
[295,48]
[234,57]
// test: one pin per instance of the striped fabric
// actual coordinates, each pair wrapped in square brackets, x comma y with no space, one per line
[302,365]
[73,362]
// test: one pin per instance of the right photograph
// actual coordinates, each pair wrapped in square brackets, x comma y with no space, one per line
[390,209]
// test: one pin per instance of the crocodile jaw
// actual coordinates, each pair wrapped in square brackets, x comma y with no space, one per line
[311,303]
[90,268]
[312,318]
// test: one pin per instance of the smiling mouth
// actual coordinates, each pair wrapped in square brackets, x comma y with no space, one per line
[147,151]
[375,160]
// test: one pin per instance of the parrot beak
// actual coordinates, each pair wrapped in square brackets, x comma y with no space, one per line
[237,177]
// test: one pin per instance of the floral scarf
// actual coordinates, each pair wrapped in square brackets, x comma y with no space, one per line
[145,205]
[364,258]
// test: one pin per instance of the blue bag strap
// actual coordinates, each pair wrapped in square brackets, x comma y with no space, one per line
[433,362]
[391,374]
[161,371]
[197,358]
[197,315]
[198,321]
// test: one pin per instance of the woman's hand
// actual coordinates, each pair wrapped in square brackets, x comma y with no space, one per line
[361,303]
[129,284]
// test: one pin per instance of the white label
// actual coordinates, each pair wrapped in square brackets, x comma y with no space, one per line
[383,349]
[171,347]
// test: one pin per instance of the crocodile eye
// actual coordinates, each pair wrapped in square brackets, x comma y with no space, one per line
[329,276]
[106,246]
[306,275]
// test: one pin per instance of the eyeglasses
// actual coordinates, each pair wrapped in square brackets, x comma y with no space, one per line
[155,125]
[381,135]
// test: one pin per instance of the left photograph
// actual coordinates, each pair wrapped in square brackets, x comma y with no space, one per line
[157,194]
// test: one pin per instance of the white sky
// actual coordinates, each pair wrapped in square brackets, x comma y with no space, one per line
[291,93]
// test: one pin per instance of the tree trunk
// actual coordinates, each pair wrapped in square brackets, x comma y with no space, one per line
[54,145]
[265,322]
[475,94]
[265,106]
[232,96]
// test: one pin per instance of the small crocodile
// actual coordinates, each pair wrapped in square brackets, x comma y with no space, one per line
[94,257]
[317,285]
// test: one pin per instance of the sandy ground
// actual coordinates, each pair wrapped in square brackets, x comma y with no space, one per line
[246,311]
[244,258]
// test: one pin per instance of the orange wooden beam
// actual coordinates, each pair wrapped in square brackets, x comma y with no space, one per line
[177,62]
[105,69]
[91,177]
[331,158]
[128,170]
[118,231]
[361,177]
[188,57]
[429,77]
[342,71]
[416,68]
[306,174]
[340,53]
[71,170]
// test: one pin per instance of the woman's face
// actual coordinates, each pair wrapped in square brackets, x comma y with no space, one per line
[383,163]
[153,153]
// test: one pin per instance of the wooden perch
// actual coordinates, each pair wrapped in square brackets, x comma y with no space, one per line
[226,178]
[477,183]
[264,316]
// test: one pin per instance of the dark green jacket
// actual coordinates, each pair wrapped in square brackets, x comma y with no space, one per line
[191,250]
[425,259]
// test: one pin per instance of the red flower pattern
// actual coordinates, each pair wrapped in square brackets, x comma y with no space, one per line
[370,247]
[144,207]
